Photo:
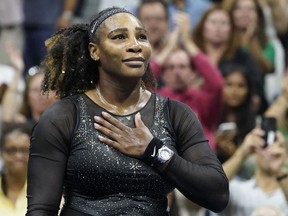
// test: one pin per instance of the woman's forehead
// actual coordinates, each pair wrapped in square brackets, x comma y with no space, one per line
[121,20]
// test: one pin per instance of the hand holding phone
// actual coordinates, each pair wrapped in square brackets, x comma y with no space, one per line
[269,125]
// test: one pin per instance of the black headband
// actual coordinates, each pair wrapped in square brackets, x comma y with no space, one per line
[102,16]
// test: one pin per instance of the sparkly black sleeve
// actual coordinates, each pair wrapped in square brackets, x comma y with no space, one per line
[47,159]
[195,170]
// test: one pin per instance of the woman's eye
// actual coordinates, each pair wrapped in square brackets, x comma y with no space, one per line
[142,37]
[119,37]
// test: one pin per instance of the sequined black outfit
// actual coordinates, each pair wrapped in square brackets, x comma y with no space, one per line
[99,180]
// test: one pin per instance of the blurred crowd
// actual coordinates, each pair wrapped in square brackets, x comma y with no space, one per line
[227,60]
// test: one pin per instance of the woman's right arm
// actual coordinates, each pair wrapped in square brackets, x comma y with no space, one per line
[49,151]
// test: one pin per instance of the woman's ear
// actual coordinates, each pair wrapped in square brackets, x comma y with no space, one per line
[93,49]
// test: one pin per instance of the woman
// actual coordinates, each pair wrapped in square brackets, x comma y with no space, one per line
[34,101]
[250,24]
[14,153]
[237,101]
[115,165]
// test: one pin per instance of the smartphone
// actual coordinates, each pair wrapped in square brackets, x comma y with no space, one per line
[227,130]
[269,125]
[227,126]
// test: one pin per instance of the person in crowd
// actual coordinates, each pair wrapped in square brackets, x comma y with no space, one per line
[14,149]
[34,101]
[15,84]
[272,89]
[41,20]
[11,76]
[194,8]
[278,16]
[11,27]
[237,108]
[269,184]
[111,143]
[216,36]
[279,108]
[154,15]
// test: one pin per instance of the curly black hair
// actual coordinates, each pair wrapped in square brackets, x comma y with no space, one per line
[68,66]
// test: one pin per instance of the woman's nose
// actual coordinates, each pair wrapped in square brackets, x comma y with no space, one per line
[134,46]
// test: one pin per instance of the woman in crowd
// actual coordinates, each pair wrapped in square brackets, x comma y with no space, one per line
[250,24]
[237,101]
[116,147]
[15,141]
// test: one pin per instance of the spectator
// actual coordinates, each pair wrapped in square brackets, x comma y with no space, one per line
[15,143]
[272,89]
[42,18]
[269,184]
[11,23]
[279,20]
[12,97]
[154,15]
[237,101]
[279,108]
[194,8]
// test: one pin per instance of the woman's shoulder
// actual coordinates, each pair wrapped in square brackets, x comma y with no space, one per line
[66,106]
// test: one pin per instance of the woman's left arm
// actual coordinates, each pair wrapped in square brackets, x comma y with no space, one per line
[195,170]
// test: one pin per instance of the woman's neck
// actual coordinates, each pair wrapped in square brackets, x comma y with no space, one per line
[14,185]
[122,100]
[215,51]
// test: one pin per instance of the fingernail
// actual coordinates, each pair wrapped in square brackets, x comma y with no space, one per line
[105,113]
[100,137]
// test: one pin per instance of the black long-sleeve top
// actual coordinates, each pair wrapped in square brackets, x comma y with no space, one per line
[66,158]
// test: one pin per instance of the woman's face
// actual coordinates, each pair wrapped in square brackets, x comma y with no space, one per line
[15,152]
[124,50]
[235,89]
[217,27]
[37,101]
[244,13]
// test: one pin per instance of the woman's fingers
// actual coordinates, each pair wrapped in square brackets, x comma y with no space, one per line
[115,122]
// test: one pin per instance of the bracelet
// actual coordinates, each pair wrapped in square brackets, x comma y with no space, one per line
[281,177]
